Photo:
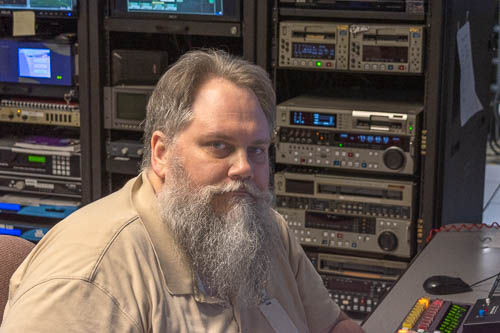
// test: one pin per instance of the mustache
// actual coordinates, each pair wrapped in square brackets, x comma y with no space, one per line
[237,186]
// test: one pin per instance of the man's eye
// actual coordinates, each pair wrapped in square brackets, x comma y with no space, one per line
[256,150]
[219,149]
[258,154]
[218,145]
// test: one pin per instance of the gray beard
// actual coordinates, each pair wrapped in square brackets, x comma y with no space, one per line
[230,252]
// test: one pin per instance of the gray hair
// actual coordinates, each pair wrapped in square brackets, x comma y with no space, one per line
[170,107]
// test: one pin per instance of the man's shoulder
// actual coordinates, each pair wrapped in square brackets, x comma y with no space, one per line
[103,213]
[95,255]
[282,227]
[75,247]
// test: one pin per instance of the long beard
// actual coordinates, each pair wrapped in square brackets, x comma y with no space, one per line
[229,251]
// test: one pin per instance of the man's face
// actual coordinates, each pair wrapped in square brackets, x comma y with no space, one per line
[227,139]
[215,195]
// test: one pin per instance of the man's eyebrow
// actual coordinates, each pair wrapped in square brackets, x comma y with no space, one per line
[262,142]
[222,136]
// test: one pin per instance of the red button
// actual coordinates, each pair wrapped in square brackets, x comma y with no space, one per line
[402,68]
[349,154]
[328,64]
[339,235]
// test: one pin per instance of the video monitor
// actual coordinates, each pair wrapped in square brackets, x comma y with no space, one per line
[36,62]
[207,10]
[43,8]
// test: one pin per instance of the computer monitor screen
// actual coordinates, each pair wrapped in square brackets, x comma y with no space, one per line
[196,7]
[35,62]
[50,8]
[218,10]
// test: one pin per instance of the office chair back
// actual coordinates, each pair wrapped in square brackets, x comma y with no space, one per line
[13,250]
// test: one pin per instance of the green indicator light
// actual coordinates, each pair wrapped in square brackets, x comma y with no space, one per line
[410,128]
[341,145]
[59,77]
[36,159]
[209,1]
[318,64]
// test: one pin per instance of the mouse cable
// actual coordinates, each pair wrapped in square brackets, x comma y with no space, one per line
[494,287]
[489,278]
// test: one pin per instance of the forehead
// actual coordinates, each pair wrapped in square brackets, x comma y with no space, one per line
[223,107]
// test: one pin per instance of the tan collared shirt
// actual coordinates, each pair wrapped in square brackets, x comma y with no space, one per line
[112,267]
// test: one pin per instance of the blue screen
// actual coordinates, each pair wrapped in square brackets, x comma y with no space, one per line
[40,63]
[13,232]
[34,62]
[313,51]
[313,119]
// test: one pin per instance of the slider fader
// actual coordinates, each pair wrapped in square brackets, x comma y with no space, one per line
[435,316]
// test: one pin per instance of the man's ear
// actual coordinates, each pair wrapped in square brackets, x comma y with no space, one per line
[159,150]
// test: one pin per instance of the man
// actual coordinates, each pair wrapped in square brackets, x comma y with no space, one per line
[191,244]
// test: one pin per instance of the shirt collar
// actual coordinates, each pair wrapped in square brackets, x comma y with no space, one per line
[179,276]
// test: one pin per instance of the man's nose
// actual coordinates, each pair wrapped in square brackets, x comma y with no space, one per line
[241,167]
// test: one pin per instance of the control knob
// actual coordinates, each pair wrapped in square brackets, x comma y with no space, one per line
[140,151]
[19,185]
[388,241]
[124,150]
[394,158]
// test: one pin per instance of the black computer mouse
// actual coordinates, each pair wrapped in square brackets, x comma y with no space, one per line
[445,285]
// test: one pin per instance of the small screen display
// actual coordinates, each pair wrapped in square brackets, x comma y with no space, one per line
[299,186]
[369,192]
[395,54]
[313,51]
[192,7]
[329,221]
[339,222]
[349,285]
[36,159]
[313,119]
[131,106]
[55,5]
[34,63]
[370,139]
[360,191]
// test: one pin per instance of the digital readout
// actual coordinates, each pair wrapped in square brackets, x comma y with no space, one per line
[339,223]
[299,186]
[396,54]
[370,139]
[36,159]
[313,51]
[333,265]
[349,285]
[313,119]
[360,191]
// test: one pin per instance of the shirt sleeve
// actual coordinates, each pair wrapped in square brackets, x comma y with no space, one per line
[66,305]
[321,311]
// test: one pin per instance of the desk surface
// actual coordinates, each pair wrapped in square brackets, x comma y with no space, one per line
[470,255]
